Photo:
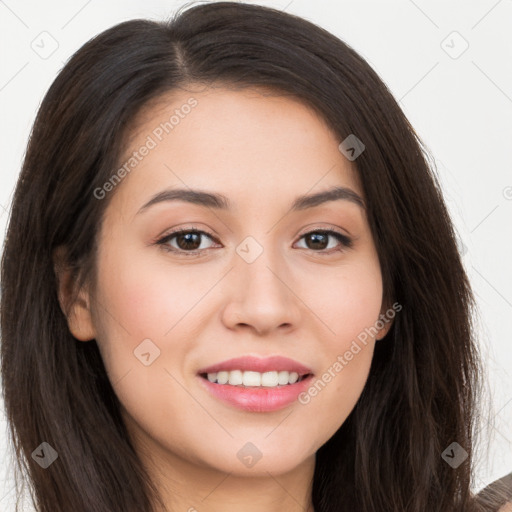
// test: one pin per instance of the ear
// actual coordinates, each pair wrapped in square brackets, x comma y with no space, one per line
[385,321]
[76,309]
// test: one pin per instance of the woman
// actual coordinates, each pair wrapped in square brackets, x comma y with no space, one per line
[230,280]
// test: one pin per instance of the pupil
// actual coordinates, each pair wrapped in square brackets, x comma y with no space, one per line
[188,237]
[315,238]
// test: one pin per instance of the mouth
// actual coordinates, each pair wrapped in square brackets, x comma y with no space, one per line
[252,379]
[252,365]
[256,384]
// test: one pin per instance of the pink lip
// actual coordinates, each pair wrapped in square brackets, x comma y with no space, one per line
[258,399]
[255,364]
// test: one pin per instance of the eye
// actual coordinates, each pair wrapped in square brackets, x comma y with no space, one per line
[184,241]
[189,241]
[319,241]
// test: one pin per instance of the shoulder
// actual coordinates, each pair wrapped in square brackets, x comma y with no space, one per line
[497,496]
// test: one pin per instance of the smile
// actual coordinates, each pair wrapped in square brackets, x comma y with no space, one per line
[270,379]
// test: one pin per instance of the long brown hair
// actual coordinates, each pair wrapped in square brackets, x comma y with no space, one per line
[424,382]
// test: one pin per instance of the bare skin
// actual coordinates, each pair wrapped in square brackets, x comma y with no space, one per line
[295,299]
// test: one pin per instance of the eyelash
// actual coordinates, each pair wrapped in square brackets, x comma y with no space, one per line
[344,240]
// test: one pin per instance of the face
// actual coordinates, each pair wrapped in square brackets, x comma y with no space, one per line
[255,277]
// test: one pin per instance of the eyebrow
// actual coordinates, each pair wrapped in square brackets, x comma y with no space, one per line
[221,202]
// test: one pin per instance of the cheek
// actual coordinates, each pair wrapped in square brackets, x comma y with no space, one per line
[134,305]
[144,299]
[139,305]
[349,308]
[333,395]
[347,301]
[334,392]
[148,306]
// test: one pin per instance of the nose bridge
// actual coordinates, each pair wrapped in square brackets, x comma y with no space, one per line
[263,298]
[260,265]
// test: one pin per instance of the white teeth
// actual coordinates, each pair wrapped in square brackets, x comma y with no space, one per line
[282,378]
[293,378]
[254,379]
[269,379]
[222,377]
[235,378]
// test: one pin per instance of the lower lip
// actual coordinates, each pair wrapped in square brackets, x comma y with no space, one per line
[257,399]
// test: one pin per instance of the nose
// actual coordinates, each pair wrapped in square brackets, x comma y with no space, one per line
[262,297]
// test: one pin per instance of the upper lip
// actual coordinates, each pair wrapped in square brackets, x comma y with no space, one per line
[257,364]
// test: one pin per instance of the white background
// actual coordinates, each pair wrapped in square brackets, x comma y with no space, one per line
[460,105]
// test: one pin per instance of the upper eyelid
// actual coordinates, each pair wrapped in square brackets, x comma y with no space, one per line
[301,234]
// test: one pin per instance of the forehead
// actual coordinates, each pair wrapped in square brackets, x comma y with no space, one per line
[249,144]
